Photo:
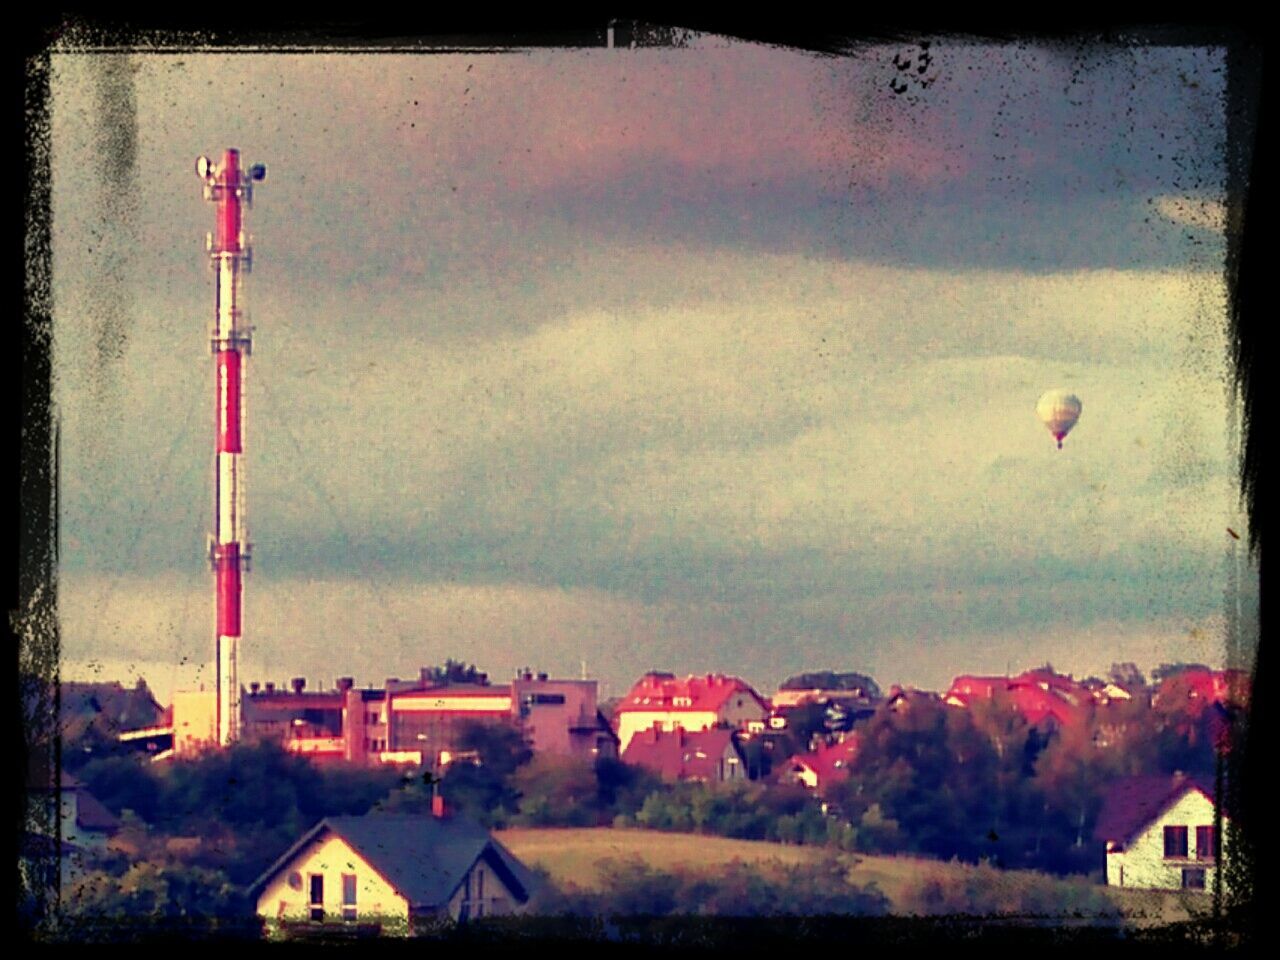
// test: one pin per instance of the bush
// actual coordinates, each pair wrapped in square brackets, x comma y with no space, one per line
[632,888]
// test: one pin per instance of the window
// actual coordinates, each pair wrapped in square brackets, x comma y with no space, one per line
[1206,843]
[348,896]
[317,897]
[1175,842]
[1193,878]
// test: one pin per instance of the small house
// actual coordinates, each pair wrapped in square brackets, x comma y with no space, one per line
[389,873]
[712,756]
[1160,833]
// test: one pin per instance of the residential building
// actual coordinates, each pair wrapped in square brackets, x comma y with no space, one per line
[828,764]
[692,704]
[406,721]
[392,873]
[84,827]
[1044,698]
[1160,833]
[712,756]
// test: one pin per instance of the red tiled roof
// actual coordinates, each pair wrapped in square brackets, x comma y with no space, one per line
[1036,694]
[707,693]
[679,754]
[1132,803]
[830,762]
[966,686]
[1203,687]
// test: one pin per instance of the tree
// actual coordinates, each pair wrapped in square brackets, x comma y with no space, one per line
[454,671]
[622,787]
[830,680]
[558,791]
[484,788]
[1128,676]
[124,783]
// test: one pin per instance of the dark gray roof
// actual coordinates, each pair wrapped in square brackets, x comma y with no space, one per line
[424,858]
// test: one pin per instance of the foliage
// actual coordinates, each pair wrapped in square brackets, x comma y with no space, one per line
[830,680]
[745,811]
[558,791]
[483,787]
[633,888]
[988,892]
[454,671]
[147,896]
[127,782]
[1127,675]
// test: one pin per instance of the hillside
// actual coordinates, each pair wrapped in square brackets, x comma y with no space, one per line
[571,856]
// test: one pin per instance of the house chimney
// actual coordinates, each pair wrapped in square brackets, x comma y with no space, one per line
[542,676]
[298,684]
[345,683]
[271,687]
[482,679]
[528,675]
[253,688]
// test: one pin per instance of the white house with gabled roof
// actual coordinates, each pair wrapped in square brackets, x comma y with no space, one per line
[1160,834]
[390,873]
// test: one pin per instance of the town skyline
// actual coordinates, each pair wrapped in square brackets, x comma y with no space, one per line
[716,359]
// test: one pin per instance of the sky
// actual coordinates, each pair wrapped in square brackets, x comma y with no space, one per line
[721,357]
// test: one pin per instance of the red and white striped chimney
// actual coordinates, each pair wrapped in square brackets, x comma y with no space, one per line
[229,186]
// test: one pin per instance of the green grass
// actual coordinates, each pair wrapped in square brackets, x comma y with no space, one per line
[571,855]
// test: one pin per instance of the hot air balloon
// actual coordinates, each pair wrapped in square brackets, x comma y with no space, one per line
[1059,410]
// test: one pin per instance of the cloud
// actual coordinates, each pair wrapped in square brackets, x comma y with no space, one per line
[783,403]
[374,628]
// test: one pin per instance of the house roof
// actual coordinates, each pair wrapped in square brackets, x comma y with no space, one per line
[680,754]
[1200,687]
[109,708]
[830,762]
[701,694]
[1036,694]
[1132,803]
[90,813]
[425,858]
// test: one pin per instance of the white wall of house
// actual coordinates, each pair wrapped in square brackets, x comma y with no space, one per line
[72,832]
[483,895]
[1143,862]
[330,856]
[631,722]
[740,708]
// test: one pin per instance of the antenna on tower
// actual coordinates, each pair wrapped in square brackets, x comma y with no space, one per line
[228,185]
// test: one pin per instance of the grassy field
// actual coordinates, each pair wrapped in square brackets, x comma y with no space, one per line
[571,855]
